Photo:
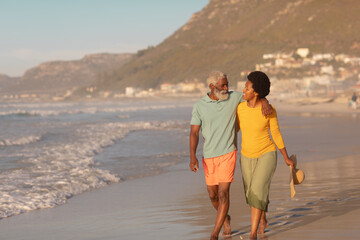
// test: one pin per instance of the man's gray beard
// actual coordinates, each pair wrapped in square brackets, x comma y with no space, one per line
[221,95]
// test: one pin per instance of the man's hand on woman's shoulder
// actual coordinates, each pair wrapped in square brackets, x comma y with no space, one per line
[266,108]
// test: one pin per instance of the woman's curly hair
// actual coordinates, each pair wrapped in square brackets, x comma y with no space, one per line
[261,83]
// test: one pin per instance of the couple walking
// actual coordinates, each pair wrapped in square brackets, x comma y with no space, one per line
[219,115]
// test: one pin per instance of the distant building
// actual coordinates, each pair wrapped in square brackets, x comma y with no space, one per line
[129,92]
[269,56]
[287,63]
[303,52]
[168,88]
[90,89]
[353,61]
[105,94]
[143,93]
[187,87]
[278,55]
[327,70]
[279,62]
[285,55]
[323,56]
[309,62]
[341,57]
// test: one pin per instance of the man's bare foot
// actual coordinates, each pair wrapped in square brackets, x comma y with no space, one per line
[226,226]
[262,226]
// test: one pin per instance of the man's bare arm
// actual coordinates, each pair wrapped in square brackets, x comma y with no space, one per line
[266,108]
[194,140]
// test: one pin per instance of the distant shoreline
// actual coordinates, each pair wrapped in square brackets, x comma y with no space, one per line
[301,104]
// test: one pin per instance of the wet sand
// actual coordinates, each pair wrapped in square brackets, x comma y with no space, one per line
[175,205]
[327,201]
[337,226]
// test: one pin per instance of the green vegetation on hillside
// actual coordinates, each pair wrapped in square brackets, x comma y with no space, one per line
[232,36]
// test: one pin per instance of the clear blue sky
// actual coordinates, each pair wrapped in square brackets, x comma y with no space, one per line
[35,31]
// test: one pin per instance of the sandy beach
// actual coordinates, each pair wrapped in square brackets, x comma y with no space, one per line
[175,205]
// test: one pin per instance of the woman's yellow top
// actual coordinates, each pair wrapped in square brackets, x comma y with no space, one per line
[255,131]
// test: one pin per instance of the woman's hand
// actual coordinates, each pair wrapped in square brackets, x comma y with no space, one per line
[289,162]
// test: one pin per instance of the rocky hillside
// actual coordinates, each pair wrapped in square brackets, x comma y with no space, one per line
[66,75]
[6,81]
[232,35]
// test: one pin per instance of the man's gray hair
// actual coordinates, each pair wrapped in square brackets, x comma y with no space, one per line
[214,77]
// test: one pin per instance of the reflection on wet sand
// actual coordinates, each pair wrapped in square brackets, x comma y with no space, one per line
[331,188]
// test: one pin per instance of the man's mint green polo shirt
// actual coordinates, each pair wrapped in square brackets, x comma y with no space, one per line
[218,124]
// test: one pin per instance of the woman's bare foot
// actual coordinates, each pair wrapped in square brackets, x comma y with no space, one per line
[226,226]
[214,237]
[253,236]
[262,226]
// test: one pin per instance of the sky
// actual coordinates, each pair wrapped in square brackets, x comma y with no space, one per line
[36,31]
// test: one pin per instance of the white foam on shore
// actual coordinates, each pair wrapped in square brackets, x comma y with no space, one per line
[56,172]
[20,141]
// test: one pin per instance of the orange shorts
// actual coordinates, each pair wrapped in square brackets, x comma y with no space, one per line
[220,169]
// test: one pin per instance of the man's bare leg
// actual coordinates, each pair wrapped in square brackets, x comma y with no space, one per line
[255,219]
[263,223]
[226,226]
[222,209]
[213,191]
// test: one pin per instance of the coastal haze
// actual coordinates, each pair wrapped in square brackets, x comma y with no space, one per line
[99,141]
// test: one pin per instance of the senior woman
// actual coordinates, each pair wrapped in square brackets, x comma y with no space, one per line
[258,152]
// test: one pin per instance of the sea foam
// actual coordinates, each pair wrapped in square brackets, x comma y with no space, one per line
[58,171]
[20,141]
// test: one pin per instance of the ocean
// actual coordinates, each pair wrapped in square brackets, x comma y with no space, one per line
[50,152]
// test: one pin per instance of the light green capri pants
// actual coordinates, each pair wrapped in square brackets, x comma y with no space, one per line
[257,174]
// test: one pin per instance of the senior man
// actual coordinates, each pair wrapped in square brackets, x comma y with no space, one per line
[215,115]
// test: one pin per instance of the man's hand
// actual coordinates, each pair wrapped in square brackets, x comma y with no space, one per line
[194,139]
[266,108]
[194,164]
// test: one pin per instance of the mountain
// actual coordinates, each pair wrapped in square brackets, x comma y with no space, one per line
[58,76]
[232,36]
[6,81]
